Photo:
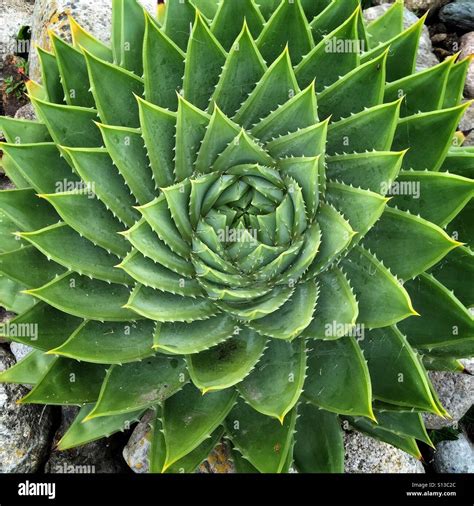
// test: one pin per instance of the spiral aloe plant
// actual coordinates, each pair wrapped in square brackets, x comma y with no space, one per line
[247,217]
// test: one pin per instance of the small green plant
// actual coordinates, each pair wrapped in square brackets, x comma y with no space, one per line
[251,226]
[15,84]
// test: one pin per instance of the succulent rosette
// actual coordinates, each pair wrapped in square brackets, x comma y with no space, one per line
[247,217]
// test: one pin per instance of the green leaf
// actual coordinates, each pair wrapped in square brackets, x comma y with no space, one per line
[86,298]
[292,317]
[403,50]
[387,26]
[427,151]
[163,66]
[242,150]
[298,112]
[179,16]
[82,38]
[337,310]
[406,444]
[119,108]
[98,171]
[455,83]
[373,171]
[331,17]
[452,272]
[67,382]
[28,267]
[80,433]
[90,218]
[69,125]
[243,68]
[436,196]
[195,337]
[220,132]
[190,417]
[31,160]
[154,275]
[338,378]
[423,91]
[444,320]
[382,299]
[404,424]
[230,17]
[288,26]
[277,85]
[319,441]
[167,307]
[368,130]
[361,208]
[12,297]
[128,27]
[110,343]
[158,131]
[459,161]
[274,387]
[127,150]
[25,210]
[158,215]
[408,245]
[21,131]
[52,327]
[326,62]
[187,464]
[396,372]
[262,440]
[29,370]
[191,127]
[139,385]
[50,76]
[73,71]
[9,238]
[13,172]
[142,237]
[204,60]
[309,142]
[228,363]
[361,88]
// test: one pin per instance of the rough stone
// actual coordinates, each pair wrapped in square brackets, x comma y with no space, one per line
[24,429]
[4,317]
[467,48]
[459,14]
[418,5]
[367,455]
[20,350]
[454,456]
[53,15]
[96,457]
[467,122]
[26,112]
[426,57]
[14,15]
[456,393]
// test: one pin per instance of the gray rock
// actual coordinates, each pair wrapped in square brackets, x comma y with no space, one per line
[136,451]
[418,5]
[14,14]
[26,112]
[92,15]
[25,430]
[96,457]
[20,350]
[467,122]
[456,392]
[426,57]
[367,455]
[469,140]
[454,456]
[4,317]
[459,13]
[467,48]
